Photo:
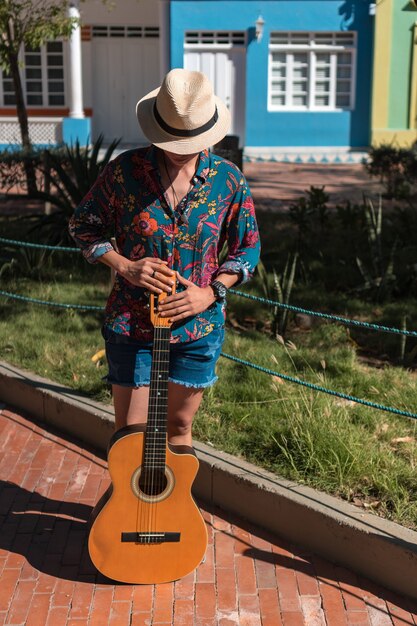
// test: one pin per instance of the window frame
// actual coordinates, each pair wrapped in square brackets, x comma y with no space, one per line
[44,79]
[311,49]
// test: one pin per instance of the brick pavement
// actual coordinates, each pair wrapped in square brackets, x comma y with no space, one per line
[48,486]
[276,185]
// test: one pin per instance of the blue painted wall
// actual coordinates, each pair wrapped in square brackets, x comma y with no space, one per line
[268,128]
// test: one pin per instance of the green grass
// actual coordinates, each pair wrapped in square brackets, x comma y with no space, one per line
[363,455]
[342,448]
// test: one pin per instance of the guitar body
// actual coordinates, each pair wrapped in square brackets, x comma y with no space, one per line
[147,533]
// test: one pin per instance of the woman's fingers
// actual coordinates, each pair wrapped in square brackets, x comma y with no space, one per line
[164,282]
[170,303]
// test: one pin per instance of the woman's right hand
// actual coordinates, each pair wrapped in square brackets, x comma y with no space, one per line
[150,273]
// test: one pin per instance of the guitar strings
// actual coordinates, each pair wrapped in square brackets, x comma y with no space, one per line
[155,364]
[153,482]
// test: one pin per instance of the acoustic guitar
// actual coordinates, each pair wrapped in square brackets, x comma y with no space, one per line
[147,528]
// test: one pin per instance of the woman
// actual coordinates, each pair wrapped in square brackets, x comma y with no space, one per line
[171,207]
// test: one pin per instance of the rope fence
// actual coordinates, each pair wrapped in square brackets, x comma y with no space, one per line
[39,246]
[343,320]
[334,318]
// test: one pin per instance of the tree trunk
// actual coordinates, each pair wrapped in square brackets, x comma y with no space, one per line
[24,124]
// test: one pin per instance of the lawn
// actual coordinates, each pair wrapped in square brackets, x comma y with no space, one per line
[360,454]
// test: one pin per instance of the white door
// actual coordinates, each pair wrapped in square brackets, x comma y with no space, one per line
[226,70]
[124,70]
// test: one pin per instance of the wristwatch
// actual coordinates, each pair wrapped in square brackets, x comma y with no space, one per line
[219,290]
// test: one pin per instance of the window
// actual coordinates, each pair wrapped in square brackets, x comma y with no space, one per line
[311,71]
[218,38]
[42,77]
[148,32]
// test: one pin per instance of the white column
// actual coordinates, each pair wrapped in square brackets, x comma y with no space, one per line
[164,37]
[76,88]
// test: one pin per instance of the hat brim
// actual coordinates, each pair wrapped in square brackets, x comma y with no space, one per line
[177,145]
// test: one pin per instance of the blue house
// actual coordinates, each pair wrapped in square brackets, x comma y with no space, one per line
[296,74]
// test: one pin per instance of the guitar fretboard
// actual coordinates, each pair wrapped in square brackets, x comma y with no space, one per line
[156,429]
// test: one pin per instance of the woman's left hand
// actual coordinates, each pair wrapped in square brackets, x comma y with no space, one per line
[186,303]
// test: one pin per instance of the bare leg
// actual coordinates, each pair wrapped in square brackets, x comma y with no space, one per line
[131,407]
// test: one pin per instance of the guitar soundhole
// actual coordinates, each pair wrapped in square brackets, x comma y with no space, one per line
[152,482]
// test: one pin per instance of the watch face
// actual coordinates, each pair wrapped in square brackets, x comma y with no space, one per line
[219,289]
[222,291]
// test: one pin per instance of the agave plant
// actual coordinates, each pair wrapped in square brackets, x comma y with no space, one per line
[280,291]
[378,274]
[69,176]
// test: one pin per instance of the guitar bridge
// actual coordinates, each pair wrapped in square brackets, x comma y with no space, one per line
[150,537]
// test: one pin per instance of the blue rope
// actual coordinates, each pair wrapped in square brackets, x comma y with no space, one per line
[336,318]
[28,244]
[82,307]
[338,394]
[345,396]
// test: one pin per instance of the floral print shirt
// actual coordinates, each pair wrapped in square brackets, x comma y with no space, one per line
[128,202]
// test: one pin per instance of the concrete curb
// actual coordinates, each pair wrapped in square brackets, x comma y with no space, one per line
[380,550]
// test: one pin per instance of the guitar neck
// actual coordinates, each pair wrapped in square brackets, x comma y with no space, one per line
[156,428]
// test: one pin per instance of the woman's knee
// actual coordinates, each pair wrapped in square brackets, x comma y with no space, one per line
[180,423]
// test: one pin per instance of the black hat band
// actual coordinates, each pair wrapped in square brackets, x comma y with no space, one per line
[179,132]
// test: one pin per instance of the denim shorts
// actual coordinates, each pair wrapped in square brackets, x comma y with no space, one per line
[191,363]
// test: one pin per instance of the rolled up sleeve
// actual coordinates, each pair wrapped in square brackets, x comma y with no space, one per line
[242,236]
[92,223]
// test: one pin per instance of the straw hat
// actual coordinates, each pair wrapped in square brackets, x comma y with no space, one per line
[183,115]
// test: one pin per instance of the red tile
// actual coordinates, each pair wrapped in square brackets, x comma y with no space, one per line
[140,619]
[269,607]
[221,524]
[185,587]
[358,618]
[183,612]
[81,601]
[57,616]
[242,540]
[293,618]
[379,616]
[205,600]
[20,602]
[8,585]
[399,610]
[123,593]
[352,593]
[142,597]
[28,572]
[205,571]
[306,578]
[45,583]
[163,603]
[14,560]
[38,610]
[224,550]
[312,611]
[101,606]
[226,589]
[289,598]
[120,614]
[248,605]
[245,571]
[63,593]
[249,620]
[265,573]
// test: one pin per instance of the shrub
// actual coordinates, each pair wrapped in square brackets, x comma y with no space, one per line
[396,168]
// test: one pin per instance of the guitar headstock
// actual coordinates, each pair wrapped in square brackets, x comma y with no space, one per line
[154,300]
